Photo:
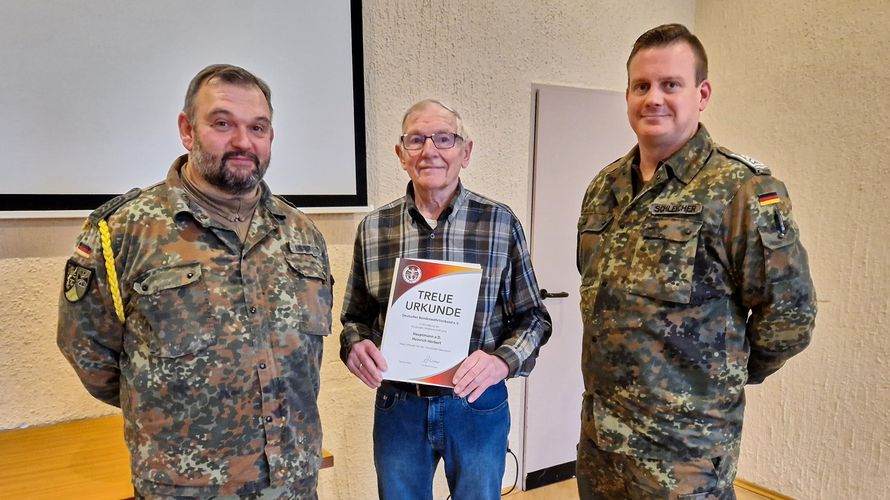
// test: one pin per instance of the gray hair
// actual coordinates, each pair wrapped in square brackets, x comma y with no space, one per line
[461,131]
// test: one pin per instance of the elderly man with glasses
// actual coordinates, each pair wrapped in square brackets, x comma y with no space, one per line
[438,218]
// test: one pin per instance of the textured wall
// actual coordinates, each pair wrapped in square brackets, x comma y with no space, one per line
[479,55]
[802,86]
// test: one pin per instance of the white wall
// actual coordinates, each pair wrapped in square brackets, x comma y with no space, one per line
[802,86]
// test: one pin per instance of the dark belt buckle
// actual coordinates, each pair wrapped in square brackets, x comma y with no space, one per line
[433,391]
[426,391]
[423,390]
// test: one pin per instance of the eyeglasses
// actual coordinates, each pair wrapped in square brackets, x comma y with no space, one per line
[442,140]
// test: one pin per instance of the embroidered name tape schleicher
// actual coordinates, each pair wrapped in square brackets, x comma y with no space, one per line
[675,208]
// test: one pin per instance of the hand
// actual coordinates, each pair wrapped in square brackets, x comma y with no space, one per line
[366,363]
[478,372]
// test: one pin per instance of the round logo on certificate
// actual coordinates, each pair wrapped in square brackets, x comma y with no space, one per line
[411,274]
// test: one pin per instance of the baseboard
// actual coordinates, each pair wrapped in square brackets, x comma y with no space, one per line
[760,490]
[549,475]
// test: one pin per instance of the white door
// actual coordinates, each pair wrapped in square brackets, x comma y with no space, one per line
[576,133]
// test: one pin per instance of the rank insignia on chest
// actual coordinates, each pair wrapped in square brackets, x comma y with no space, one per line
[77,281]
[675,208]
[766,199]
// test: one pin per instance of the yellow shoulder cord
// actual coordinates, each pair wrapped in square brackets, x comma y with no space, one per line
[110,270]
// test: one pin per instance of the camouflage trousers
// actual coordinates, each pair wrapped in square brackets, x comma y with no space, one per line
[305,489]
[604,475]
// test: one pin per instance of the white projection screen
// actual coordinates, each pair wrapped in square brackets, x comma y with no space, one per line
[91,89]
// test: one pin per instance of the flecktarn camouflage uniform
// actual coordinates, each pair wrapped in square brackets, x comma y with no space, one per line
[691,289]
[216,367]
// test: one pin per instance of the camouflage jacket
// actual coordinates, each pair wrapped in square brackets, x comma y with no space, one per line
[216,367]
[690,289]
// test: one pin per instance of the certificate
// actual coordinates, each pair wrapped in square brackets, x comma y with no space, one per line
[432,306]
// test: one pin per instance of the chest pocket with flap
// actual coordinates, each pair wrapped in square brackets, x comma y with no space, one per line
[664,261]
[591,227]
[174,302]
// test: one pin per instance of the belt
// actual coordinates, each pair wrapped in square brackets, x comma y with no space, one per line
[422,390]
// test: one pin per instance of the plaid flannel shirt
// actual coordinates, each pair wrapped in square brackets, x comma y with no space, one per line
[511,321]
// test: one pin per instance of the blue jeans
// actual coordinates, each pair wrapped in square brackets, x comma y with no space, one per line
[412,433]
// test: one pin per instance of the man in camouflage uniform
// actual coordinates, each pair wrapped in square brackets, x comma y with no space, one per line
[694,283]
[199,306]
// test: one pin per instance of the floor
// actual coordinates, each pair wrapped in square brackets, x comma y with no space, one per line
[567,490]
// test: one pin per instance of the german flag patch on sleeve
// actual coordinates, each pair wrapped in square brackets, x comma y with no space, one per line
[767,199]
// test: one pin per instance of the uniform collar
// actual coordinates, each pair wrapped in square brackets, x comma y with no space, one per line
[688,160]
[683,165]
[181,202]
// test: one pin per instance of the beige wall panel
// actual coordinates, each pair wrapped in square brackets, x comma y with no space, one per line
[802,86]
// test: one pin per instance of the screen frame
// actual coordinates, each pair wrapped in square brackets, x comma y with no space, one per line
[42,204]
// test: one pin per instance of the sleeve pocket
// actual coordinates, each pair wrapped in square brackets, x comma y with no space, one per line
[782,253]
[773,239]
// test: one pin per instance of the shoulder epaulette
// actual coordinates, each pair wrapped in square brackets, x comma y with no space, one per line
[97,218]
[613,166]
[754,165]
[113,204]
[284,200]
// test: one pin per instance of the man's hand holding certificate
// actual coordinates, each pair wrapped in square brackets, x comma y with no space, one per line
[432,306]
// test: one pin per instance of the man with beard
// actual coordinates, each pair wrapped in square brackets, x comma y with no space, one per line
[199,305]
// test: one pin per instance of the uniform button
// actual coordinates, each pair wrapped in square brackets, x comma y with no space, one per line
[268,419]
[252,310]
[189,275]
[262,366]
[687,231]
[432,235]
[144,288]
